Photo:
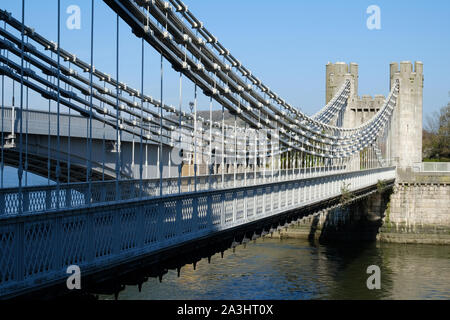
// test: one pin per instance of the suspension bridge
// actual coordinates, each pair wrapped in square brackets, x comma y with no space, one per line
[131,176]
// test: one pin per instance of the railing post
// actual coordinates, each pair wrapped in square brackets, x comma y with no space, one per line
[159,222]
[103,193]
[279,197]
[210,212]
[264,201]
[90,218]
[234,205]
[140,226]
[330,185]
[210,170]
[68,196]
[299,191]
[310,186]
[180,166]
[86,192]
[222,214]
[2,203]
[116,234]
[48,197]
[195,212]
[25,201]
[294,193]
[179,216]
[20,252]
[57,244]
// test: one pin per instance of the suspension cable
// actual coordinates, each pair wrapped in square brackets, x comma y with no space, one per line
[58,142]
[20,171]
[26,130]
[89,166]
[118,131]
[160,152]
[141,186]
[2,133]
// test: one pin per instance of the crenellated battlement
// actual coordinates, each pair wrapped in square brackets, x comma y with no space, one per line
[407,67]
[369,103]
[405,136]
[412,77]
[336,74]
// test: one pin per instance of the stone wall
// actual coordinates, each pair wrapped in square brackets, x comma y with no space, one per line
[357,221]
[418,212]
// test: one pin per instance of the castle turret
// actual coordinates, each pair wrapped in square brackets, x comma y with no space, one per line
[406,127]
[336,74]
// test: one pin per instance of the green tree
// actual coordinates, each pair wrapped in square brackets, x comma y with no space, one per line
[436,136]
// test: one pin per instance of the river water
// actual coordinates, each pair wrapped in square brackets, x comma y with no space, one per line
[296,269]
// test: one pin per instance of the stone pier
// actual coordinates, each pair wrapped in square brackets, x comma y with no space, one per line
[416,210]
[358,220]
[419,209]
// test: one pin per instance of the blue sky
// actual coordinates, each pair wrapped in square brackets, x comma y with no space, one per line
[285,43]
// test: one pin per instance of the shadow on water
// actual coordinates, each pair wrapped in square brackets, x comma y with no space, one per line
[350,274]
[271,268]
[347,241]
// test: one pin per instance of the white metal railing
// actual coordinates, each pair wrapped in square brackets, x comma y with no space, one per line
[36,249]
[432,167]
[38,199]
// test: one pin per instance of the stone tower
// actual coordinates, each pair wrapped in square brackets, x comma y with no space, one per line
[336,74]
[405,136]
[405,143]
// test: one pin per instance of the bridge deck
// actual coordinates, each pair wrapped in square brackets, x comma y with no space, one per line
[36,249]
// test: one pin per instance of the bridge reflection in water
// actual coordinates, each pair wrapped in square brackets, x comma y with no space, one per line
[297,269]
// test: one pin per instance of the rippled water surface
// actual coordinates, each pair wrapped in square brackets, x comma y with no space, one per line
[297,269]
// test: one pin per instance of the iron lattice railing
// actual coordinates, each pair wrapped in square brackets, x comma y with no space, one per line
[36,249]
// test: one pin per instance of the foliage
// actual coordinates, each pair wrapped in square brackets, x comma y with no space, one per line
[387,218]
[346,195]
[436,136]
[381,184]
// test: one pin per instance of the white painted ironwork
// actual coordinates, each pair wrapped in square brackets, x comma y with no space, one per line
[432,167]
[37,248]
